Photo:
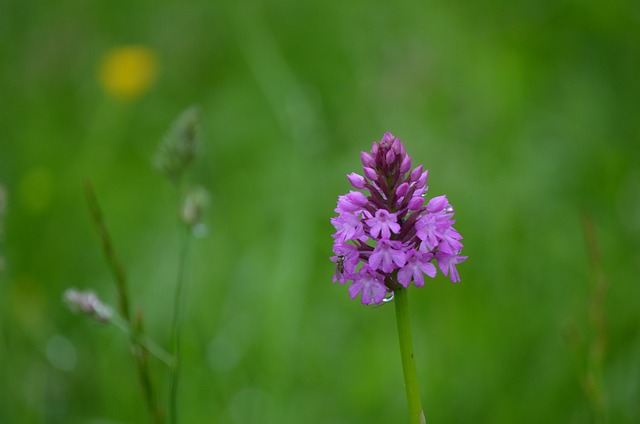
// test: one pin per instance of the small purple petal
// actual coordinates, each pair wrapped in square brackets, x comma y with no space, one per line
[417,265]
[427,231]
[348,226]
[370,284]
[387,256]
[447,264]
[449,241]
[383,224]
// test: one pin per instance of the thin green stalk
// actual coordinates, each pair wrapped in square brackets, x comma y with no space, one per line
[135,328]
[416,414]
[143,340]
[142,360]
[593,384]
[176,323]
[109,253]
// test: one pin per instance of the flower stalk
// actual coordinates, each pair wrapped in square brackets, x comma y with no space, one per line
[416,413]
[175,155]
[176,324]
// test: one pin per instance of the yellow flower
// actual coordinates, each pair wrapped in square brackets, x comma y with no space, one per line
[127,72]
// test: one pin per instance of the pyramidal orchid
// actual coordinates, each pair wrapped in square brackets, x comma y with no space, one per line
[388,236]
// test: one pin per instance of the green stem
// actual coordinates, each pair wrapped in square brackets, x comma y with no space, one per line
[135,326]
[416,414]
[143,340]
[109,252]
[175,325]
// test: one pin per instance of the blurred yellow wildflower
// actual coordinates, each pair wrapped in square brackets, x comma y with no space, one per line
[127,72]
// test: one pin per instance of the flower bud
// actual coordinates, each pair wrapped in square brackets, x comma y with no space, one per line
[370,173]
[437,204]
[406,164]
[396,146]
[388,139]
[415,174]
[357,198]
[367,160]
[402,189]
[356,180]
[415,203]
[194,206]
[374,149]
[390,157]
[423,179]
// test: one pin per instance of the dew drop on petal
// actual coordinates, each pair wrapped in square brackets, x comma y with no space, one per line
[387,298]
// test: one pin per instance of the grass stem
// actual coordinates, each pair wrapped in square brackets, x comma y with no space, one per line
[178,301]
[135,328]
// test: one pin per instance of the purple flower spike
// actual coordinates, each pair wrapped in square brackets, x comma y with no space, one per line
[388,238]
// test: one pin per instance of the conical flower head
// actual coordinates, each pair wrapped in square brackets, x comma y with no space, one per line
[386,234]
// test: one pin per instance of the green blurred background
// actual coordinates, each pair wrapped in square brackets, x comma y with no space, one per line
[526,114]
